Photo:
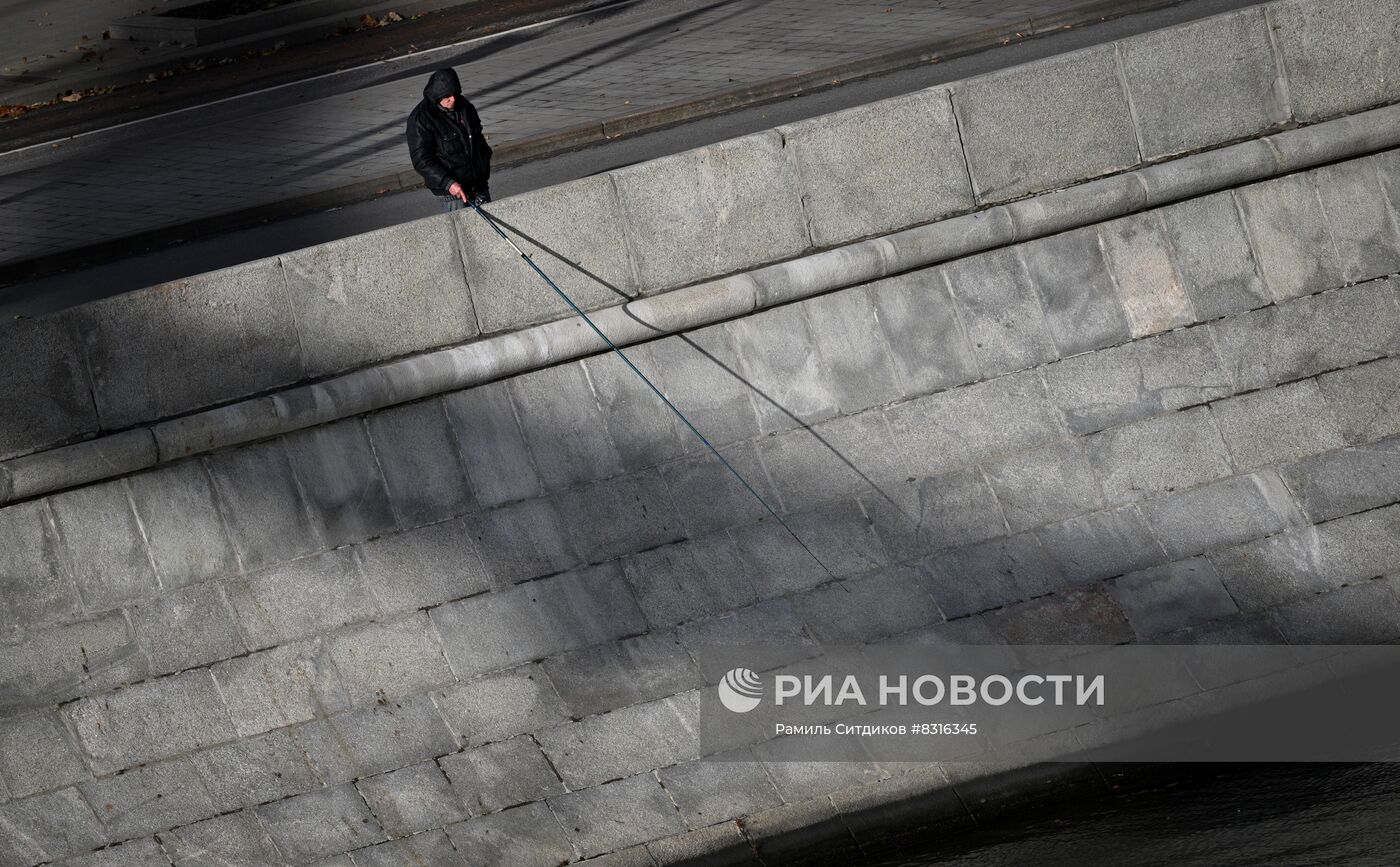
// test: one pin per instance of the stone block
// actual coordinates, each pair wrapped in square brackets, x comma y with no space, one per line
[388,661]
[321,823]
[432,847]
[280,687]
[423,567]
[500,706]
[804,830]
[616,517]
[953,509]
[1172,596]
[37,754]
[1084,615]
[1045,124]
[1114,386]
[846,195]
[842,537]
[599,679]
[718,846]
[832,460]
[1001,311]
[47,828]
[564,426]
[864,609]
[499,630]
[526,836]
[617,814]
[47,399]
[417,453]
[492,447]
[717,788]
[689,580]
[413,799]
[857,360]
[65,661]
[1349,480]
[1213,256]
[1277,425]
[301,598]
[699,372]
[989,575]
[184,530]
[1044,485]
[571,230]
[1076,291]
[253,771]
[374,740]
[1203,84]
[150,721]
[149,799]
[185,628]
[340,478]
[379,295]
[1366,613]
[1291,236]
[643,429]
[953,428]
[719,643]
[35,584]
[625,741]
[711,211]
[1364,400]
[709,496]
[523,541]
[782,368]
[1158,455]
[133,853]
[1301,338]
[500,775]
[1100,545]
[105,546]
[1359,219]
[191,343]
[235,838]
[1338,55]
[267,518]
[777,563]
[1224,513]
[1149,287]
[926,340]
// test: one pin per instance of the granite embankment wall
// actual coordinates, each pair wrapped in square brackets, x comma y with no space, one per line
[1131,376]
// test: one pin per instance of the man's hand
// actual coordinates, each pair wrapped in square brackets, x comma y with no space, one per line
[456,190]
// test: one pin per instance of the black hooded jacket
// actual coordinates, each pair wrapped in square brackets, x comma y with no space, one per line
[448,146]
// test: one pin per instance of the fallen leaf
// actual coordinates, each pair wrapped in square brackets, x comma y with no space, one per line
[72,97]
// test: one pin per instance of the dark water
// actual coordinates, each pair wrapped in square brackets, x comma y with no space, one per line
[1262,816]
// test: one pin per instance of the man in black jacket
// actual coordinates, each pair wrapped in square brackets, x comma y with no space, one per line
[446,144]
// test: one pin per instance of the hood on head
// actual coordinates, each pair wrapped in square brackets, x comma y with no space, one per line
[444,82]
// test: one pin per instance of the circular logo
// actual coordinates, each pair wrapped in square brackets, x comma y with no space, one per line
[740,690]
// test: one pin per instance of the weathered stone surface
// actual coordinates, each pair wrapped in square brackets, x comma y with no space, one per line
[644,430]
[989,575]
[1171,597]
[236,838]
[689,580]
[1081,616]
[527,836]
[1336,329]
[1223,513]
[47,827]
[35,585]
[503,705]
[1364,400]
[1337,54]
[720,844]
[803,829]
[926,341]
[492,445]
[191,343]
[37,754]
[378,295]
[417,453]
[151,720]
[523,541]
[1366,613]
[953,428]
[832,460]
[1277,425]
[622,515]
[842,536]
[48,397]
[711,211]
[1076,291]
[104,543]
[847,196]
[376,739]
[1291,237]
[1158,455]
[1149,287]
[279,687]
[148,799]
[1213,256]
[953,509]
[1001,311]
[598,679]
[572,231]
[267,517]
[776,562]
[707,494]
[868,608]
[1100,545]
[1229,57]
[860,371]
[389,660]
[625,741]
[184,529]
[1361,222]
[253,771]
[133,853]
[340,478]
[617,814]
[717,643]
[1044,485]
[320,823]
[1349,480]
[413,799]
[189,627]
[65,661]
[716,788]
[501,775]
[782,368]
[700,373]
[423,567]
[564,426]
[301,598]
[432,847]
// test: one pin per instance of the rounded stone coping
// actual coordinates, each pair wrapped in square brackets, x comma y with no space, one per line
[455,368]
